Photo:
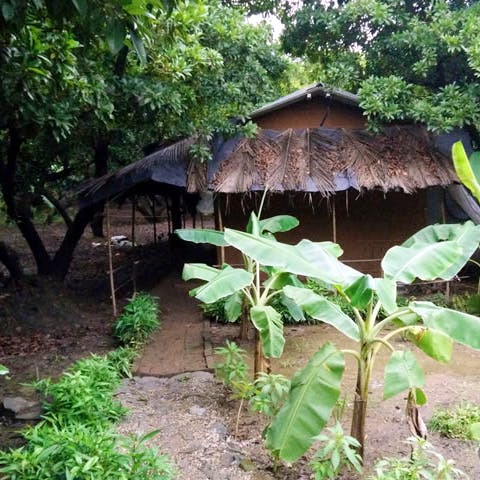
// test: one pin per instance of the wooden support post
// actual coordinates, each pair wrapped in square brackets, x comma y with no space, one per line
[334,222]
[134,208]
[154,221]
[220,227]
[110,260]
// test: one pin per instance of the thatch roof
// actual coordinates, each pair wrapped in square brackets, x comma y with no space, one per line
[321,160]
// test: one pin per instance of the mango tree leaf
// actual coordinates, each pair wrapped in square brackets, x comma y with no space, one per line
[139,47]
[202,235]
[462,327]
[386,291]
[402,372]
[425,261]
[3,370]
[269,324]
[313,393]
[226,282]
[464,169]
[279,223]
[199,271]
[115,36]
[434,343]
[320,308]
[233,306]
[360,292]
[8,11]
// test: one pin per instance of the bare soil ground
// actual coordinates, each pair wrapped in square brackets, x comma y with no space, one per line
[44,327]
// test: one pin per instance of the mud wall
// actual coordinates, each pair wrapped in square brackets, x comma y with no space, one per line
[366,225]
[313,113]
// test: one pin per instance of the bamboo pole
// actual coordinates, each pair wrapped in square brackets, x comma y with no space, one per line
[154,221]
[220,227]
[134,208]
[110,260]
[334,222]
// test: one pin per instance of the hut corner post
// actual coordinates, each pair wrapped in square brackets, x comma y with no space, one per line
[110,261]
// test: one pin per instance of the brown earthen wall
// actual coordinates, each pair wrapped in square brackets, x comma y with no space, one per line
[311,113]
[367,225]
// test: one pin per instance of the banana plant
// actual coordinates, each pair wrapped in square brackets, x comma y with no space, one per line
[256,283]
[468,169]
[437,251]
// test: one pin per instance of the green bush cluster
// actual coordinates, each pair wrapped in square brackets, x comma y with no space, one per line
[138,320]
[75,439]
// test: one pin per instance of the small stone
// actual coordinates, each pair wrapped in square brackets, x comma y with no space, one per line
[220,429]
[247,465]
[22,408]
[199,411]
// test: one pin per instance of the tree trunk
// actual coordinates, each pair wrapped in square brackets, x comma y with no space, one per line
[244,321]
[58,206]
[9,258]
[176,212]
[101,168]
[18,213]
[359,416]
[63,258]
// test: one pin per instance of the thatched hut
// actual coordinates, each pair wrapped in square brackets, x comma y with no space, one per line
[312,152]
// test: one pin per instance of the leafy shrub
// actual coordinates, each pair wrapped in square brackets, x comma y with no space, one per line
[424,463]
[75,440]
[269,393]
[456,422]
[338,452]
[233,368]
[138,320]
[83,452]
[83,394]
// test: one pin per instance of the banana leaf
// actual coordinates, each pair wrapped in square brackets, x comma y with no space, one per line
[269,324]
[313,393]
[402,372]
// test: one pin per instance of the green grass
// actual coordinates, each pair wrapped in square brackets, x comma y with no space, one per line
[455,422]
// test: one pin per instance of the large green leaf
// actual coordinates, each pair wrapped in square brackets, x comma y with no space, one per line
[434,343]
[226,282]
[116,33]
[426,261]
[313,393]
[199,271]
[402,372]
[279,223]
[386,291]
[294,310]
[462,327]
[360,292]
[278,280]
[233,306]
[320,308]
[323,255]
[269,324]
[139,47]
[466,235]
[464,169]
[202,235]
[270,252]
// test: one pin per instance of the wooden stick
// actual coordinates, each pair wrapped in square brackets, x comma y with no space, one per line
[154,221]
[334,221]
[110,260]
[134,205]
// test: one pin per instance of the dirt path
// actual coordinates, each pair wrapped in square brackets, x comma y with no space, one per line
[179,345]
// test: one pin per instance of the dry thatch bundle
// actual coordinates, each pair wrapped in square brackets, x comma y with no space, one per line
[401,158]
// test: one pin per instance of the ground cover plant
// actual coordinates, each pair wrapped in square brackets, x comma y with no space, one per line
[437,251]
[76,437]
[456,422]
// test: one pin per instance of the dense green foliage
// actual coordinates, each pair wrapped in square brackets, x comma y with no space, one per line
[408,60]
[75,439]
[140,317]
[86,84]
